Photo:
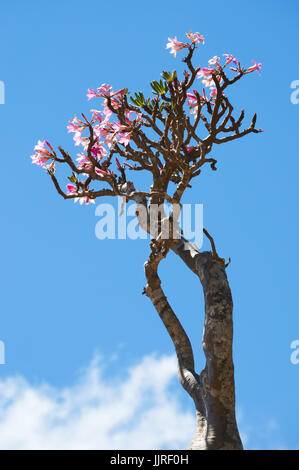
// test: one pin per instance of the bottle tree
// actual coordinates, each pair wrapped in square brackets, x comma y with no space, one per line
[160,136]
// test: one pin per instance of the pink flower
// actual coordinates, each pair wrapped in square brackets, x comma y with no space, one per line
[100,172]
[118,127]
[254,67]
[38,160]
[42,154]
[192,103]
[75,125]
[204,72]
[103,173]
[71,188]
[174,45]
[41,149]
[83,162]
[208,81]
[104,90]
[124,138]
[98,150]
[107,111]
[121,132]
[83,199]
[92,94]
[71,127]
[107,131]
[214,60]
[195,37]
[78,139]
[97,116]
[190,148]
[230,58]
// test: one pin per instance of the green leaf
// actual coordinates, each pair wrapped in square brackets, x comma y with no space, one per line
[160,88]
[138,100]
[73,178]
[167,76]
[155,86]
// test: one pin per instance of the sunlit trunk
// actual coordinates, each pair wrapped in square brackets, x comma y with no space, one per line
[216,426]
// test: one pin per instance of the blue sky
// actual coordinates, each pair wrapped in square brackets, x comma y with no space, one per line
[67,295]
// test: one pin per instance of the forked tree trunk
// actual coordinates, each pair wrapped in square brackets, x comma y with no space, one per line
[213,390]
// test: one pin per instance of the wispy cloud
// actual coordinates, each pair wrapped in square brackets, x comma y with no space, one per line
[140,411]
[137,409]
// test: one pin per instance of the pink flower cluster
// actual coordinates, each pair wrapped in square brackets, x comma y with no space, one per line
[255,67]
[214,66]
[105,134]
[195,38]
[101,133]
[206,73]
[192,102]
[175,46]
[43,153]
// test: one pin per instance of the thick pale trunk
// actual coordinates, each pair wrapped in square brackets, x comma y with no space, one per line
[216,426]
[213,390]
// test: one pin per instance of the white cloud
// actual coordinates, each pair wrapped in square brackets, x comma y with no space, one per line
[138,412]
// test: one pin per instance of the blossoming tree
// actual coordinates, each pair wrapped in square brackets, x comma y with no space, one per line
[132,133]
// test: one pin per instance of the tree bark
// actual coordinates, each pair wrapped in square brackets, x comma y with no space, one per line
[216,426]
[213,390]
